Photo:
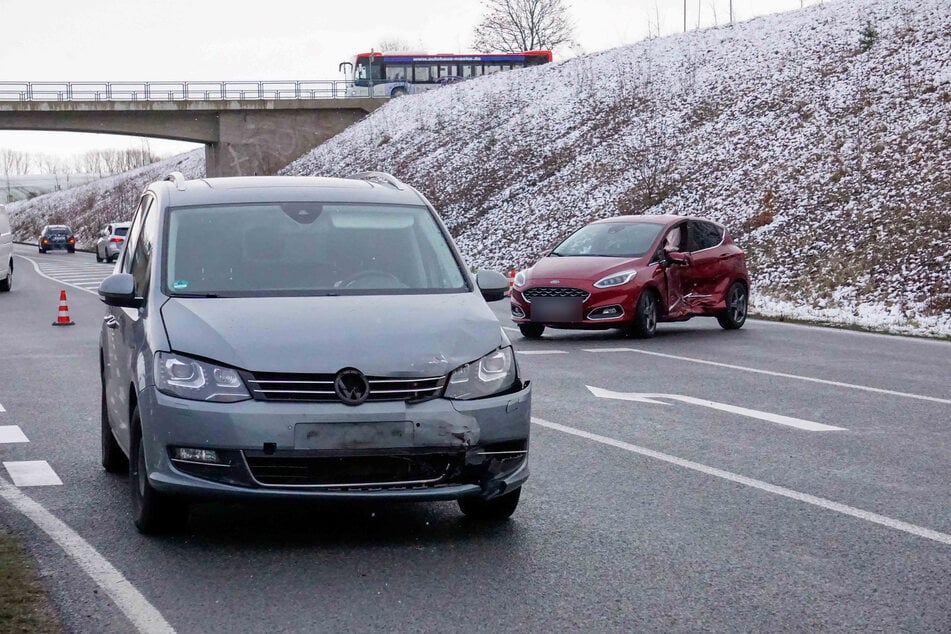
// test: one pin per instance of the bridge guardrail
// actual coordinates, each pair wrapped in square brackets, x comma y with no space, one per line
[174,90]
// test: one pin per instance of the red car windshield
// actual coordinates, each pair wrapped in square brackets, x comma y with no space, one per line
[610,239]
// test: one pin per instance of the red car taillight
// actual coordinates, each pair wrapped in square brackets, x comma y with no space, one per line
[72,240]
[115,240]
[45,241]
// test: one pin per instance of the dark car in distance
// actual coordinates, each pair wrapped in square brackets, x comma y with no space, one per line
[56,237]
[632,272]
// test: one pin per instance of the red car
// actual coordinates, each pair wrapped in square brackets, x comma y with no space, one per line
[631,272]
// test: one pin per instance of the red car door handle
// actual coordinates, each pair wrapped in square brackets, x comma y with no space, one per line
[726,255]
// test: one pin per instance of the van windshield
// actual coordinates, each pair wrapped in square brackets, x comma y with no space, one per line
[307,248]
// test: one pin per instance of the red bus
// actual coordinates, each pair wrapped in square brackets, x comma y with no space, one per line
[395,74]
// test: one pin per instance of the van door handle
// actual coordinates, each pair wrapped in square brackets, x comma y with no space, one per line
[110,321]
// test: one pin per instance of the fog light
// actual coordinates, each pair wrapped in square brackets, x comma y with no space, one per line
[208,456]
[606,312]
[517,311]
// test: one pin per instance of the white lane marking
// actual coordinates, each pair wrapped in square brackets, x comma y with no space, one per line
[130,601]
[779,419]
[779,374]
[36,267]
[32,473]
[541,352]
[1,408]
[868,516]
[11,434]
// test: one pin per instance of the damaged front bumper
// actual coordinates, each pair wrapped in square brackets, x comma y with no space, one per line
[434,450]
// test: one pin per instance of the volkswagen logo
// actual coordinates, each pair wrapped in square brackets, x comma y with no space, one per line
[351,386]
[556,281]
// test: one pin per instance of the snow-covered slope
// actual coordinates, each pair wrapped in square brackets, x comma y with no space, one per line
[88,208]
[831,166]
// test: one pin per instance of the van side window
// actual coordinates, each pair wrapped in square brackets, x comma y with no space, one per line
[142,241]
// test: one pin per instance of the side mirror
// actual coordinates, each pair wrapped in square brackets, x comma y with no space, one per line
[119,290]
[676,257]
[493,285]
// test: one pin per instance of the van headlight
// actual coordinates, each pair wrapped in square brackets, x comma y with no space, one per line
[494,373]
[184,377]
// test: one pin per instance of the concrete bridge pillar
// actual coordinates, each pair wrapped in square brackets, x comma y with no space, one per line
[260,142]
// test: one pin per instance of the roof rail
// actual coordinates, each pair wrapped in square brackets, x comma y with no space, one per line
[179,179]
[380,177]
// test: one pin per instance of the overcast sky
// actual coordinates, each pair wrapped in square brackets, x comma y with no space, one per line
[115,40]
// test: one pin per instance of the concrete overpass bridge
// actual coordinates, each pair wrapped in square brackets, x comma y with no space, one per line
[247,127]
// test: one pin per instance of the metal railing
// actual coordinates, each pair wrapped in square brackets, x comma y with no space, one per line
[173,90]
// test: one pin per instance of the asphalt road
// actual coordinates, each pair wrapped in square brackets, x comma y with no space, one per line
[683,513]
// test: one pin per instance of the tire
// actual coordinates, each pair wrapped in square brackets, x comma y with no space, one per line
[41,250]
[397,92]
[152,512]
[98,257]
[113,460]
[644,325]
[494,510]
[71,250]
[532,331]
[737,304]
[7,283]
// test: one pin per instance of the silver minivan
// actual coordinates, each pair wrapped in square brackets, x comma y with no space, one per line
[308,338]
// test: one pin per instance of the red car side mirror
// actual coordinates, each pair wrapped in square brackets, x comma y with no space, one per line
[676,257]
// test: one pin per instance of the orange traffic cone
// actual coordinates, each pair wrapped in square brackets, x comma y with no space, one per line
[511,279]
[62,317]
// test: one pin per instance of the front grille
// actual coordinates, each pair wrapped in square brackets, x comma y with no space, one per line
[354,471]
[555,291]
[319,388]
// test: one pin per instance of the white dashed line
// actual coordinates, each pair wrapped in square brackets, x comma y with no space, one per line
[875,518]
[12,434]
[771,373]
[32,473]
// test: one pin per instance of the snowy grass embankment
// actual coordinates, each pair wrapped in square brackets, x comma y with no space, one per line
[828,164]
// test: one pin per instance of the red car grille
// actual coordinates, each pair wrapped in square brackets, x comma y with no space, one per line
[554,291]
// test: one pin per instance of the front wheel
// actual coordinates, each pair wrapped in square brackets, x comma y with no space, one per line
[153,512]
[494,510]
[737,301]
[644,325]
[531,331]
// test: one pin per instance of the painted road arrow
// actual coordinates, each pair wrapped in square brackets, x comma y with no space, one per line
[655,399]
